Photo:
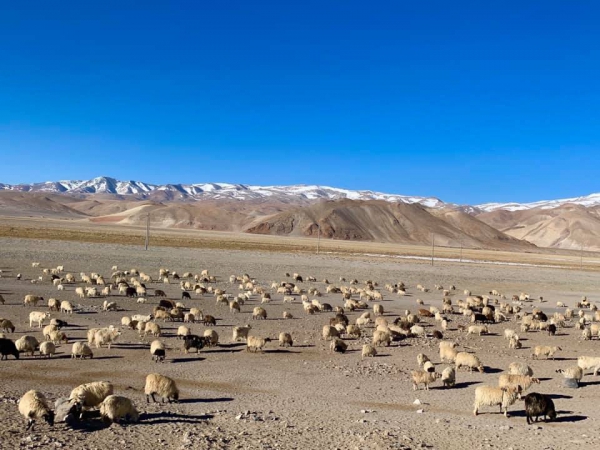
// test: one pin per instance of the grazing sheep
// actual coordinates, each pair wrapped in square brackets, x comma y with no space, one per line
[31,299]
[53,304]
[378,309]
[183,331]
[423,377]
[508,334]
[428,366]
[153,329]
[34,406]
[573,372]
[212,337]
[492,396]
[329,332]
[142,318]
[285,340]
[368,351]
[165,387]
[27,344]
[338,346]
[259,313]
[157,350]
[589,362]
[109,306]
[539,405]
[39,317]
[194,341]
[287,315]
[57,336]
[417,331]
[353,331]
[66,307]
[106,336]
[478,329]
[7,325]
[382,337]
[468,360]
[8,347]
[449,377]
[544,350]
[115,408]
[523,381]
[519,368]
[90,395]
[255,344]
[81,350]
[448,354]
[47,349]
[514,342]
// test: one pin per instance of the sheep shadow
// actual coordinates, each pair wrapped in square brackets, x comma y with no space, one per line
[464,384]
[281,350]
[84,313]
[224,350]
[168,417]
[559,359]
[206,400]
[493,370]
[184,360]
[107,357]
[588,383]
[232,345]
[568,419]
[133,346]
[559,396]
[544,379]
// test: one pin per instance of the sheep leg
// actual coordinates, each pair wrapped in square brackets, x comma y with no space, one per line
[30,424]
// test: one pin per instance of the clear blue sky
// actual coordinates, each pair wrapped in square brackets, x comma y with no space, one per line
[466,101]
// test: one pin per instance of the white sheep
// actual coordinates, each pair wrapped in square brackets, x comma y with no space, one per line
[449,377]
[492,396]
[90,395]
[27,344]
[213,337]
[382,337]
[153,329]
[519,368]
[39,317]
[31,299]
[589,362]
[468,360]
[573,372]
[240,333]
[448,354]
[523,381]
[285,340]
[183,331]
[116,408]
[66,307]
[329,332]
[478,329]
[369,351]
[142,318]
[423,377]
[157,350]
[545,350]
[109,306]
[255,344]
[47,349]
[259,313]
[422,358]
[34,406]
[106,336]
[81,350]
[161,385]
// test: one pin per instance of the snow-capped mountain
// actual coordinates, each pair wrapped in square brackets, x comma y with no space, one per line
[201,191]
[587,201]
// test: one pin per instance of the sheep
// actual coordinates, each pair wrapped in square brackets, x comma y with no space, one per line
[285,340]
[53,304]
[234,306]
[573,372]
[255,344]
[34,406]
[39,317]
[109,306]
[544,350]
[82,350]
[478,329]
[423,377]
[338,346]
[153,329]
[447,344]
[47,349]
[142,318]
[492,396]
[539,405]
[115,408]
[468,360]
[259,313]
[161,385]
[212,337]
[378,309]
[448,354]
[369,351]
[27,344]
[80,292]
[508,333]
[157,350]
[90,395]
[449,377]
[31,299]
[523,381]
[353,330]
[106,336]
[66,307]
[8,347]
[240,333]
[417,331]
[514,342]
[7,325]
[57,337]
[329,332]
[287,315]
[183,331]
[194,341]
[589,362]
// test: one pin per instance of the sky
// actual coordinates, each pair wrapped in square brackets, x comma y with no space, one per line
[469,102]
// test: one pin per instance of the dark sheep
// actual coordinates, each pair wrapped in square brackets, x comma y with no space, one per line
[339,346]
[551,329]
[209,320]
[185,295]
[326,307]
[194,341]
[299,279]
[425,313]
[539,405]
[541,317]
[480,318]
[339,318]
[159,293]
[438,334]
[159,355]
[60,323]
[167,304]
[130,292]
[8,347]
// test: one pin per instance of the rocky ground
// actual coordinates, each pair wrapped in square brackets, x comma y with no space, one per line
[300,397]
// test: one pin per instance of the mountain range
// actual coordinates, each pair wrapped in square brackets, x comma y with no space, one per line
[300,210]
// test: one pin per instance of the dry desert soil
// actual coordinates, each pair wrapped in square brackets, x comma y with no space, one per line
[303,397]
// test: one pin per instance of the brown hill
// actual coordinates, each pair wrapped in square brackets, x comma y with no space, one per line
[568,226]
[385,222]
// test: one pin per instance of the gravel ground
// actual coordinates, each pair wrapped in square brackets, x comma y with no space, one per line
[294,398]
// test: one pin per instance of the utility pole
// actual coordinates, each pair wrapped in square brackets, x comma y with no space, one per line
[581,257]
[432,247]
[461,246]
[147,230]
[318,238]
